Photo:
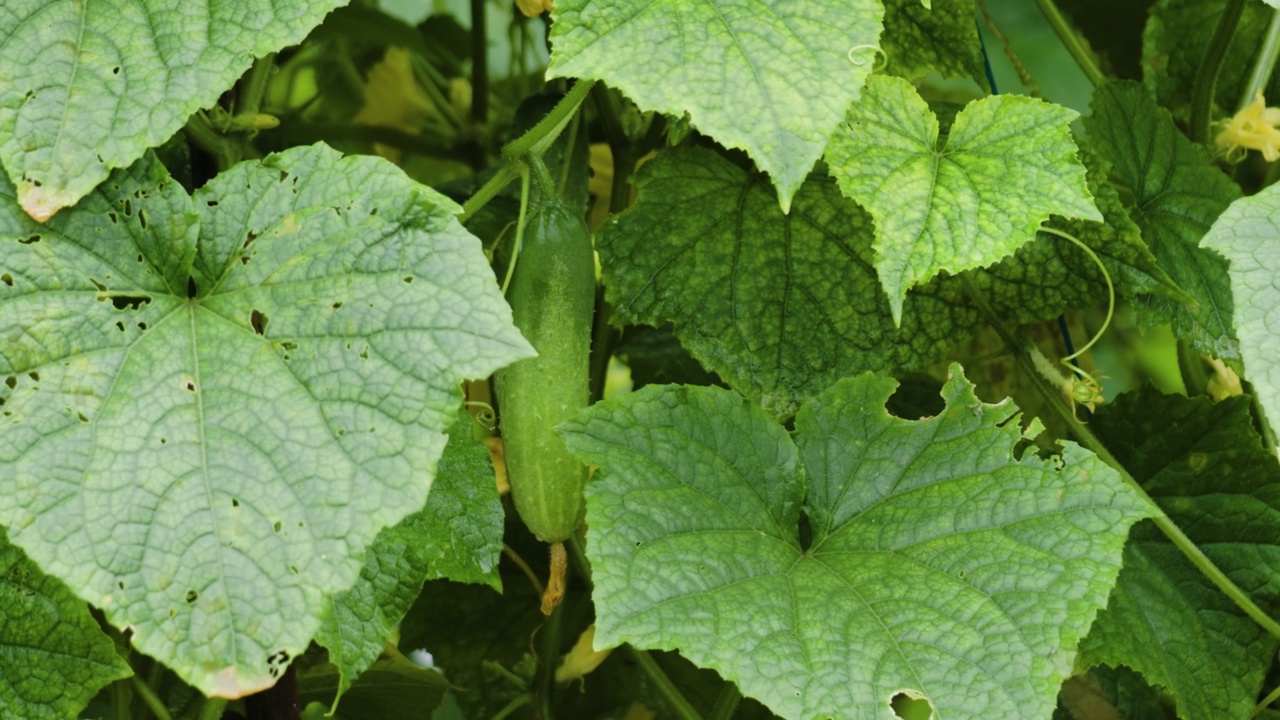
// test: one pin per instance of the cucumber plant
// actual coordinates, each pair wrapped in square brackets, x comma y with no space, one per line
[815,317]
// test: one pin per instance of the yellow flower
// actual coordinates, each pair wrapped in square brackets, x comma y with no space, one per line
[534,8]
[582,659]
[1254,127]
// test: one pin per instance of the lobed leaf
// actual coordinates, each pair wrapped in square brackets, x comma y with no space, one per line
[771,78]
[213,404]
[1204,465]
[940,564]
[87,87]
[963,203]
[1176,195]
[53,656]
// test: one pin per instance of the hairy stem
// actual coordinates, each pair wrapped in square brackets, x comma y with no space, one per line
[540,136]
[1202,92]
[1071,41]
[255,85]
[1024,352]
[665,687]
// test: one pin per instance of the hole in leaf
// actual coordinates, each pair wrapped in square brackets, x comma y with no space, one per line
[806,532]
[121,584]
[142,219]
[337,305]
[115,70]
[11,381]
[29,240]
[120,325]
[7,279]
[235,502]
[192,596]
[293,569]
[142,326]
[277,526]
[83,418]
[191,287]
[288,345]
[115,219]
[34,375]
[408,278]
[244,259]
[249,238]
[164,441]
[258,321]
[128,208]
[132,302]
[911,708]
[211,203]
[189,385]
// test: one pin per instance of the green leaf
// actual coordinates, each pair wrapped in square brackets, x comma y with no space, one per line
[962,203]
[55,659]
[86,87]
[1176,195]
[916,578]
[1248,234]
[771,79]
[1205,467]
[458,535]
[779,306]
[918,40]
[205,428]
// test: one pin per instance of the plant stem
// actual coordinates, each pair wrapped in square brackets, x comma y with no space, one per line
[150,698]
[516,703]
[726,702]
[663,684]
[540,136]
[255,86]
[211,709]
[494,185]
[479,64]
[121,692]
[1202,92]
[1071,41]
[1270,698]
[1024,352]
[201,132]
[1265,63]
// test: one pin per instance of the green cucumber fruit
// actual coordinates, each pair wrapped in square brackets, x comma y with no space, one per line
[552,296]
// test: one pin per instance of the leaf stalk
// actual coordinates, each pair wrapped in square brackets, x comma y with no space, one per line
[1202,92]
[1071,41]
[663,684]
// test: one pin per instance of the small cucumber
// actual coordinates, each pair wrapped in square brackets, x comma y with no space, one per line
[552,296]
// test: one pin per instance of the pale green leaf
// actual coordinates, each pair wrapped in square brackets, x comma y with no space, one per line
[1248,234]
[205,427]
[771,78]
[1176,194]
[1207,469]
[458,536]
[778,305]
[963,202]
[86,87]
[918,40]
[53,656]
[940,563]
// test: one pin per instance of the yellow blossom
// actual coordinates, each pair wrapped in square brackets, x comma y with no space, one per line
[1254,127]
[582,659]
[534,8]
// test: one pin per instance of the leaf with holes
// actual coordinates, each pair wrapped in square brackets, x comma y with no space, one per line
[86,87]
[203,429]
[918,576]
[957,203]
[771,78]
[54,656]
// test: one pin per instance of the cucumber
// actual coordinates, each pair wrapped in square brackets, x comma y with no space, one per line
[552,296]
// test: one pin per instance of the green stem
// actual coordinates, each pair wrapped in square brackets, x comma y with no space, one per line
[201,132]
[540,136]
[1071,41]
[663,684]
[255,86]
[1265,63]
[494,185]
[726,702]
[515,251]
[1194,379]
[1024,353]
[150,698]
[549,649]
[1270,698]
[516,703]
[1202,92]
[121,693]
[619,149]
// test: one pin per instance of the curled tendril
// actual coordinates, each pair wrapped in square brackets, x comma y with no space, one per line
[861,61]
[486,417]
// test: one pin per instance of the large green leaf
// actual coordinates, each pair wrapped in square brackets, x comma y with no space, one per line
[779,305]
[458,535]
[963,202]
[1177,194]
[86,87]
[1206,468]
[940,563]
[771,78]
[213,404]
[53,656]
[1248,234]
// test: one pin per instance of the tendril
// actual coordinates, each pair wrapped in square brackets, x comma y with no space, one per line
[1111,294]
[524,207]
[877,50]
[486,418]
